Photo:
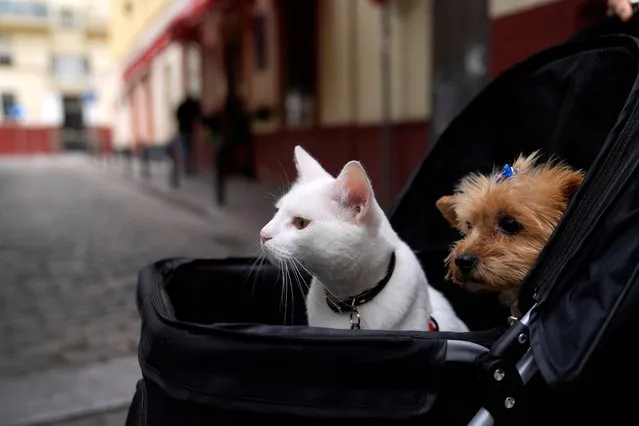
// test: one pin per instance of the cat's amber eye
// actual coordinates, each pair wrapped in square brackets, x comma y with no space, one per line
[300,222]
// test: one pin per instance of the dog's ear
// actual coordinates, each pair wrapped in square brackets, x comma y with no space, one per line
[570,183]
[446,206]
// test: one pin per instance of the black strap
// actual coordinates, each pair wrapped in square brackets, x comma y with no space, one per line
[351,303]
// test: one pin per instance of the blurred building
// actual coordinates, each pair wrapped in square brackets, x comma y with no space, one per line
[55,77]
[317,62]
[151,69]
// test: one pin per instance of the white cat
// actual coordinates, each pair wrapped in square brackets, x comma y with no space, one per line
[363,274]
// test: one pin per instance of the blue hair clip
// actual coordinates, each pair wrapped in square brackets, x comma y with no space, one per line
[506,173]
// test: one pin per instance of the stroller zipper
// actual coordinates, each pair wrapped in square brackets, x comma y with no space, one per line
[585,214]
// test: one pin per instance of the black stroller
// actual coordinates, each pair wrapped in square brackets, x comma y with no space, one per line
[218,349]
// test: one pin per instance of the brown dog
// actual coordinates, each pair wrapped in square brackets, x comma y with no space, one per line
[506,219]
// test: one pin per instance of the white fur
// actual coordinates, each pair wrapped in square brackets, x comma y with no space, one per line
[347,251]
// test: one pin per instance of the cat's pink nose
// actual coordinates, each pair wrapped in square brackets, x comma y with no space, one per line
[264,236]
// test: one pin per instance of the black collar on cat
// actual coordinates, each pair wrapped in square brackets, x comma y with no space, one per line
[351,303]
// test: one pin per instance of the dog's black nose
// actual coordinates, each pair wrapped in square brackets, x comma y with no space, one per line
[466,263]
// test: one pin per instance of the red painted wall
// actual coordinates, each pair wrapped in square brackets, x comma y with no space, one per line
[520,35]
[29,140]
[104,138]
[20,140]
[335,146]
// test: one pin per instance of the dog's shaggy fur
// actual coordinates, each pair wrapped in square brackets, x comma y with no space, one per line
[506,224]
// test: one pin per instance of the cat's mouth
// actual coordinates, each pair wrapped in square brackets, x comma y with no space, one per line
[271,255]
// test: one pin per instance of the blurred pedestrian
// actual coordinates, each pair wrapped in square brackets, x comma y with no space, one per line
[621,12]
[624,9]
[230,130]
[188,115]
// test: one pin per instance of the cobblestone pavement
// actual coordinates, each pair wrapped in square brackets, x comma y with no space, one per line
[111,418]
[71,243]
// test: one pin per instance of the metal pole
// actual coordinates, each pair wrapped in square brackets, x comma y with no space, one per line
[386,137]
[461,52]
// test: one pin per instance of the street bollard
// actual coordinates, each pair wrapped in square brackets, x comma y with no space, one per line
[174,175]
[145,160]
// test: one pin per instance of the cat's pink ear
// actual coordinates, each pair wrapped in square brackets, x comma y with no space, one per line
[353,189]
[307,167]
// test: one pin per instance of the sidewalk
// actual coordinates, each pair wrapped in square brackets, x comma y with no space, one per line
[91,395]
[250,204]
[97,390]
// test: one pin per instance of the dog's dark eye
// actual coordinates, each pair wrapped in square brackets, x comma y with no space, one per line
[469,226]
[510,225]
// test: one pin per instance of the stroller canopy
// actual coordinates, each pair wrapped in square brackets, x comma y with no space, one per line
[576,101]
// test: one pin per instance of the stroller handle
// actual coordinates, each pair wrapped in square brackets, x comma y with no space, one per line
[461,351]
[526,368]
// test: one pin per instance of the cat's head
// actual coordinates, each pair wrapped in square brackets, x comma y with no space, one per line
[321,216]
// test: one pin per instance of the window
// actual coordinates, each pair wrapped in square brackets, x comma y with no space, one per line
[69,67]
[67,18]
[5,51]
[8,102]
[259,42]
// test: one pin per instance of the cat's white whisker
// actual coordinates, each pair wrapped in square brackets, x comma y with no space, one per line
[292,277]
[283,279]
[288,181]
[311,295]
[325,288]
[257,266]
[298,277]
[250,272]
[302,266]
[289,286]
[253,265]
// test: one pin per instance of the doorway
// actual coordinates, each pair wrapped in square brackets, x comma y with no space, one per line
[238,155]
[232,55]
[73,129]
[299,61]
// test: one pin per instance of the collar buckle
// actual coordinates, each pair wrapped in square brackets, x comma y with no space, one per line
[355,320]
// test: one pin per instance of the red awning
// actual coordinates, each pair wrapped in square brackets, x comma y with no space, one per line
[144,59]
[183,24]
[182,27]
[179,28]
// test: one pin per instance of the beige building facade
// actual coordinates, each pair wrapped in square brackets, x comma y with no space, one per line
[56,78]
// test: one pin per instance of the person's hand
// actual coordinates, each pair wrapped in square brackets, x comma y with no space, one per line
[622,8]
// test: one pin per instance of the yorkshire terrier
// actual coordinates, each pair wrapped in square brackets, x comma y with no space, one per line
[506,219]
